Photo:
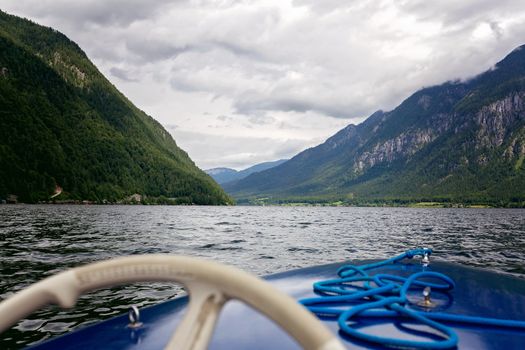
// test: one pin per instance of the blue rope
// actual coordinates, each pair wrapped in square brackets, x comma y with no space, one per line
[385,296]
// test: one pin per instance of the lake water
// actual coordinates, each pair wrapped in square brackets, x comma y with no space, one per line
[37,241]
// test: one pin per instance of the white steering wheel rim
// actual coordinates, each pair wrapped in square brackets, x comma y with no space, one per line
[209,285]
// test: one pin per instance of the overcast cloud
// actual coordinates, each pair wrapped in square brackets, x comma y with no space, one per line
[242,82]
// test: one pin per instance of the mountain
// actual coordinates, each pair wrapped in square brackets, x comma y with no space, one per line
[64,125]
[457,142]
[224,175]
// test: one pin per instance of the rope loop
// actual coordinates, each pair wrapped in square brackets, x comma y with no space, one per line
[384,296]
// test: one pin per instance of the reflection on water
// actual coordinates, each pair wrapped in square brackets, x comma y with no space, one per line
[37,241]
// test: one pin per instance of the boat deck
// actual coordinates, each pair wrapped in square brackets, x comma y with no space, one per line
[477,293]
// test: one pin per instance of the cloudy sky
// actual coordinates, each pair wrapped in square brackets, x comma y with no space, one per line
[241,82]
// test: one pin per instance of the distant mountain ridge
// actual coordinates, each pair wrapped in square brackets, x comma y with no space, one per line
[63,124]
[459,141]
[224,175]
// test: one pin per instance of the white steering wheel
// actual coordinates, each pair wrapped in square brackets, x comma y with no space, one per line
[209,286]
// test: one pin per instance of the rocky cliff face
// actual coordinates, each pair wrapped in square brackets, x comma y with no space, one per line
[495,121]
[401,146]
[493,124]
[461,140]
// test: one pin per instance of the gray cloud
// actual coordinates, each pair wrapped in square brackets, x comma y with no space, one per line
[121,74]
[454,13]
[326,6]
[223,118]
[496,28]
[250,105]
[261,119]
[238,50]
[236,152]
[153,49]
[85,12]
[186,85]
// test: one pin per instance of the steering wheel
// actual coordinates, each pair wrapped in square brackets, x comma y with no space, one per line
[210,285]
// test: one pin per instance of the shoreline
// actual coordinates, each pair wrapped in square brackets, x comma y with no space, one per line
[418,205]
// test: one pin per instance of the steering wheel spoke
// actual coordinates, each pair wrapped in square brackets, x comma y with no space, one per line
[196,328]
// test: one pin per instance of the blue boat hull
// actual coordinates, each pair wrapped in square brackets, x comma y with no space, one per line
[477,293]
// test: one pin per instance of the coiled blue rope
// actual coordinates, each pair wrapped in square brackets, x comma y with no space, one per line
[385,296]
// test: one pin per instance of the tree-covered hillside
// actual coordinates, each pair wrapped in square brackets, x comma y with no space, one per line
[62,123]
[456,142]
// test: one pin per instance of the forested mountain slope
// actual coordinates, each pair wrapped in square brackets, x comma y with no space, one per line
[62,123]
